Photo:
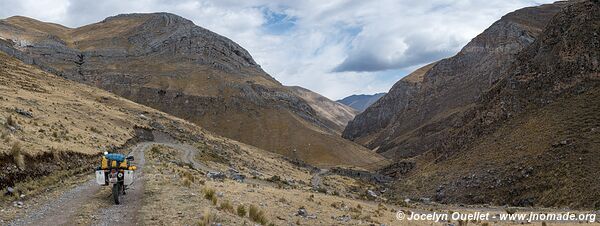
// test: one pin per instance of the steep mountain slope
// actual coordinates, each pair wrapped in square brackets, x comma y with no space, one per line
[60,127]
[362,101]
[415,115]
[337,115]
[51,125]
[380,114]
[166,62]
[532,139]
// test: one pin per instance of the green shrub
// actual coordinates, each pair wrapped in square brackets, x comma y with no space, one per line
[206,220]
[186,182]
[241,211]
[209,193]
[214,200]
[226,206]
[17,155]
[10,121]
[257,215]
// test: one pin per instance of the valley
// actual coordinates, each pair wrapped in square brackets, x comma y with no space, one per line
[508,126]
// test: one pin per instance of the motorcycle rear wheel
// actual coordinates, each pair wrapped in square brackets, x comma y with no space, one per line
[116,193]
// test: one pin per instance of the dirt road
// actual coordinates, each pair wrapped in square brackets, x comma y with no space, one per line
[91,204]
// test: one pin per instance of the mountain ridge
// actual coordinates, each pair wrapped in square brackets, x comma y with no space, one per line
[166,62]
[530,140]
[360,102]
[414,117]
[338,114]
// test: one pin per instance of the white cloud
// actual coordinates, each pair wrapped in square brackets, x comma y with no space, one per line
[360,39]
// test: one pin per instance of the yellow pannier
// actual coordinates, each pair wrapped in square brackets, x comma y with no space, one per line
[104,164]
[123,165]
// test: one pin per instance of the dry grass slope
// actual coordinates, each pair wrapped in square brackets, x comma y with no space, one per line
[214,84]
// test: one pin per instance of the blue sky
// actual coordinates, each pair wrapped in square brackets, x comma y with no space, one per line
[336,48]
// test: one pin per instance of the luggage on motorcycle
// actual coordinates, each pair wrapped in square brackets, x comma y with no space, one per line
[128,177]
[115,156]
[112,164]
[100,177]
[123,165]
[104,164]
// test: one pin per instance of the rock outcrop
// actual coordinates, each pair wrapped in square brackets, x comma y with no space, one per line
[166,62]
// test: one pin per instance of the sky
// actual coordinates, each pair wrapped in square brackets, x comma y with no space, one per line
[336,48]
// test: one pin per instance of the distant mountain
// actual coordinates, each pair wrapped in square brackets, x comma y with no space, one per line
[362,101]
[166,62]
[336,115]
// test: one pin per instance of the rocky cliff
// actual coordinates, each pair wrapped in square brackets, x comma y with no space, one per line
[532,139]
[416,114]
[166,62]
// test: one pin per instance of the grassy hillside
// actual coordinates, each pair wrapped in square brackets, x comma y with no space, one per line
[166,62]
[542,158]
[49,123]
[53,130]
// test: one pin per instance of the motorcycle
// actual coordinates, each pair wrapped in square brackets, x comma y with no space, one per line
[116,170]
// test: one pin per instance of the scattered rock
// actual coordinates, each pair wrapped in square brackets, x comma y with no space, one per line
[9,191]
[238,177]
[157,125]
[561,143]
[216,175]
[144,117]
[255,173]
[302,212]
[343,218]
[25,113]
[13,129]
[18,204]
[372,193]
